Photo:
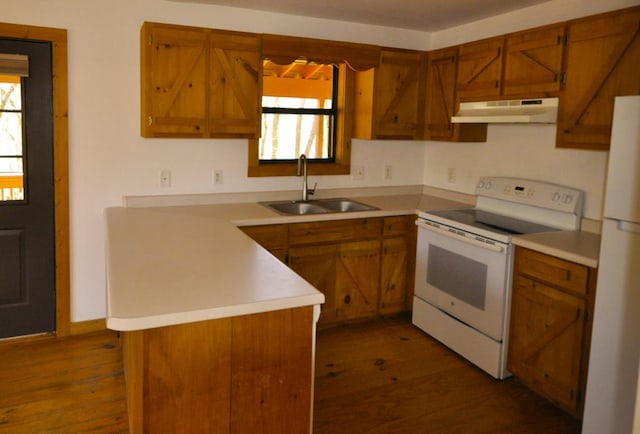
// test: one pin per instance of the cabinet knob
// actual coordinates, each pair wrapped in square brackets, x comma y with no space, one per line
[347,299]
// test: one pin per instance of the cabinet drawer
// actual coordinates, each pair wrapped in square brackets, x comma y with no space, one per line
[554,271]
[268,236]
[332,231]
[398,225]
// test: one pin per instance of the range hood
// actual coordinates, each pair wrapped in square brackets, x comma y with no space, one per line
[526,111]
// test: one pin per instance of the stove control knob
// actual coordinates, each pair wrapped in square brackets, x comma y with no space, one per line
[568,198]
[555,197]
[481,184]
[488,186]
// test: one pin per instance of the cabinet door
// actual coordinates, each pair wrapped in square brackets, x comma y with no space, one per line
[394,274]
[235,85]
[533,62]
[441,90]
[441,101]
[357,279]
[398,108]
[545,341]
[317,265]
[480,69]
[174,63]
[602,59]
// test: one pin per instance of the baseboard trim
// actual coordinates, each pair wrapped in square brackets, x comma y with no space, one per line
[94,325]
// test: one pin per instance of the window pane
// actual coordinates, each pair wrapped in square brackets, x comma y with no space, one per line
[299,86]
[11,149]
[286,136]
[10,133]
[11,179]
[10,93]
[285,102]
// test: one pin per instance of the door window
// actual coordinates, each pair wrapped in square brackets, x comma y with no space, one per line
[12,68]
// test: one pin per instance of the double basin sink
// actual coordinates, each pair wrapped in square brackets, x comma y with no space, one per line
[319,206]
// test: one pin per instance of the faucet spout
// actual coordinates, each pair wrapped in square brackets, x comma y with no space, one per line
[302,171]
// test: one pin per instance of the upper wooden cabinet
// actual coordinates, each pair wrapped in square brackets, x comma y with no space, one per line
[441,101]
[199,82]
[525,64]
[602,61]
[389,99]
[480,69]
[533,62]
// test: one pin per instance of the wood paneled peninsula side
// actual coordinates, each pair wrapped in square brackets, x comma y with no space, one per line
[218,335]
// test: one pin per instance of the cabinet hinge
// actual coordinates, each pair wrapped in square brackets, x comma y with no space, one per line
[563,78]
[565,39]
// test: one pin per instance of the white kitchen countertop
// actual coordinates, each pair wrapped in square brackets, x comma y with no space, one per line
[171,268]
[576,246]
[169,265]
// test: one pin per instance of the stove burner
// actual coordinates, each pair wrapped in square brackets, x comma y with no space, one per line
[492,222]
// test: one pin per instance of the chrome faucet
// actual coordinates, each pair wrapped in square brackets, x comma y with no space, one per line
[302,171]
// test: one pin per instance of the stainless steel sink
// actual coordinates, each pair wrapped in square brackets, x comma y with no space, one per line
[320,206]
[344,205]
[296,207]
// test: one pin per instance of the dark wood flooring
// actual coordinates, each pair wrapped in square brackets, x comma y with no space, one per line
[386,376]
[383,376]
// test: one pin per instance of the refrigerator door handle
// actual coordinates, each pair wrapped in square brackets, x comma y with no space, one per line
[628,226]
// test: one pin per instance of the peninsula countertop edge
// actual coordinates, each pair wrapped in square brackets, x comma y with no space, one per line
[170,268]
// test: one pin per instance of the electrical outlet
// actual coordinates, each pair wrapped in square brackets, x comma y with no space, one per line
[165,178]
[217,177]
[358,172]
[388,172]
[451,175]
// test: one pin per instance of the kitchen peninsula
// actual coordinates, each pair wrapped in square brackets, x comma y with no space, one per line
[217,334]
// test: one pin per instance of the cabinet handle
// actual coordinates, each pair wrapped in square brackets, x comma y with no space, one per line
[150,120]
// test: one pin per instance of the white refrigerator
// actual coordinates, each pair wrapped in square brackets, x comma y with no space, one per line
[615,346]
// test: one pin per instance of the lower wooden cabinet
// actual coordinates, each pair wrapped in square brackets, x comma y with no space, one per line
[317,265]
[550,328]
[357,279]
[244,374]
[364,267]
[397,263]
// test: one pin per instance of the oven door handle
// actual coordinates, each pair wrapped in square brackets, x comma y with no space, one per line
[494,247]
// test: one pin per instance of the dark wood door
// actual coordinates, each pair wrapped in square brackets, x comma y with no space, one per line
[27,264]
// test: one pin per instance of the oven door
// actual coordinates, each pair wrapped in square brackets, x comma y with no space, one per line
[464,277]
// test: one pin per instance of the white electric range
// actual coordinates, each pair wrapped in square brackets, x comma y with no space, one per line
[464,263]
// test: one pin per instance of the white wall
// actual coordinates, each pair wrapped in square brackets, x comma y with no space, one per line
[109,159]
[525,151]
